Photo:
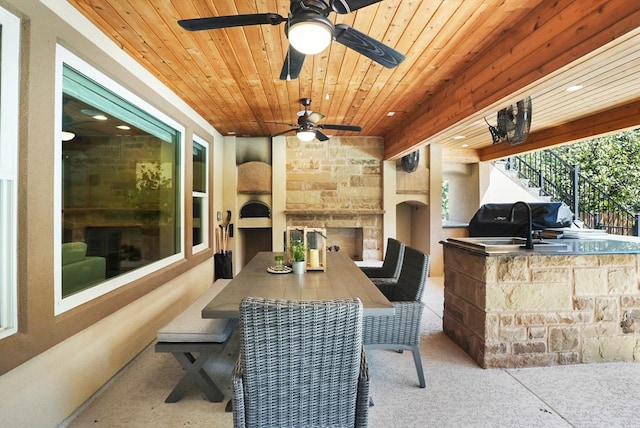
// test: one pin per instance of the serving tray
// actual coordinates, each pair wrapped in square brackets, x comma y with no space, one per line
[276,269]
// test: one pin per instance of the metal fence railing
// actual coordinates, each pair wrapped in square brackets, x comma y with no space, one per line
[563,183]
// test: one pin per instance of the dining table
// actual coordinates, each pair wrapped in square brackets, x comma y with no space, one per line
[341,279]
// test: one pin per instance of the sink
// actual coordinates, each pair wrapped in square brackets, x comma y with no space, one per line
[506,244]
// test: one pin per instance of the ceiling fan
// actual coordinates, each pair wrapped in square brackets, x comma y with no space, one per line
[514,123]
[308,127]
[309,31]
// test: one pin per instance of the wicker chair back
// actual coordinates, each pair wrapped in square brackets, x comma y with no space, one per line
[402,330]
[413,276]
[391,264]
[300,363]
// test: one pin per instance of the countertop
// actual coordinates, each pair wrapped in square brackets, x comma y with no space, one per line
[606,244]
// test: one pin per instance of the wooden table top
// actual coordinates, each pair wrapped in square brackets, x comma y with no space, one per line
[342,279]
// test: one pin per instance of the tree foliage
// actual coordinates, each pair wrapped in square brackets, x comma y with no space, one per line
[612,163]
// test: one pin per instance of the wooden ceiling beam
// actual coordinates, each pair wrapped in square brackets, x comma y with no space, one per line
[460,155]
[549,38]
[621,117]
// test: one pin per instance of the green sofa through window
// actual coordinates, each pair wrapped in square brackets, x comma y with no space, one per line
[80,271]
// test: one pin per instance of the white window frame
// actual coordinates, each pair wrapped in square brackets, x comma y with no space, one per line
[9,107]
[64,56]
[204,196]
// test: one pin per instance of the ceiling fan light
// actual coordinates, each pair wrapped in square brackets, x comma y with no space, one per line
[310,37]
[306,136]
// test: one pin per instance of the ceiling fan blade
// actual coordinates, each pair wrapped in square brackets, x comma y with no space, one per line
[348,6]
[284,132]
[367,46]
[276,123]
[315,117]
[341,127]
[216,22]
[292,64]
[320,136]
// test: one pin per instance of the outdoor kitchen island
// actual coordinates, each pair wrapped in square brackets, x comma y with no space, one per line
[568,301]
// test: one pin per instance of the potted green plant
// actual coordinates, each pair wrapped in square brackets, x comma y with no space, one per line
[279,259]
[298,254]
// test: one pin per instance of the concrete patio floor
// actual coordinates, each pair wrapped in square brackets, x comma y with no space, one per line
[458,394]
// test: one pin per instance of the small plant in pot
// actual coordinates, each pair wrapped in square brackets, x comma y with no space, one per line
[279,259]
[298,253]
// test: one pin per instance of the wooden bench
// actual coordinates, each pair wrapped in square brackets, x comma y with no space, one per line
[190,334]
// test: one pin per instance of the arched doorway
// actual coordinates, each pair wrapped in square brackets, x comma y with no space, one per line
[412,224]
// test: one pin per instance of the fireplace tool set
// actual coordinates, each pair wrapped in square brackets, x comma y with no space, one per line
[222,260]
[222,235]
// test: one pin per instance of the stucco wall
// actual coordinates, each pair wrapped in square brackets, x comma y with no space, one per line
[54,363]
[37,395]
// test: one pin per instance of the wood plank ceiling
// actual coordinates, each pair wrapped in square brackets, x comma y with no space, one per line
[465,60]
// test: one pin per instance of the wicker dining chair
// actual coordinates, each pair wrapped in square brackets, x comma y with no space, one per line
[402,330]
[301,364]
[391,264]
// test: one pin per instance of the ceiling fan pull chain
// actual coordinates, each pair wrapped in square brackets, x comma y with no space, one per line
[288,62]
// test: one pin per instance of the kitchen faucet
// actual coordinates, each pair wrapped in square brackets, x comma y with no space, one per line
[529,244]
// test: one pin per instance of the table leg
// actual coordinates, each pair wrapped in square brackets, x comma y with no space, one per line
[194,372]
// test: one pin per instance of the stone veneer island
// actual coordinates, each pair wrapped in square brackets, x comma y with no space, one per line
[524,308]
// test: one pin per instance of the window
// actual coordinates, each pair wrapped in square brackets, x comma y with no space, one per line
[9,83]
[200,194]
[119,187]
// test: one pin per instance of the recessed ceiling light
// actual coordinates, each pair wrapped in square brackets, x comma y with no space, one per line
[574,88]
[459,137]
[391,113]
[99,117]
[465,145]
[123,127]
[89,112]
[231,133]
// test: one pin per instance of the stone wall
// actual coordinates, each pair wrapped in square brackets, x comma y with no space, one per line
[337,184]
[543,310]
[340,174]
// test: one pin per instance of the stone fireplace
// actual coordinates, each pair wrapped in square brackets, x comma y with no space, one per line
[358,234]
[336,185]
